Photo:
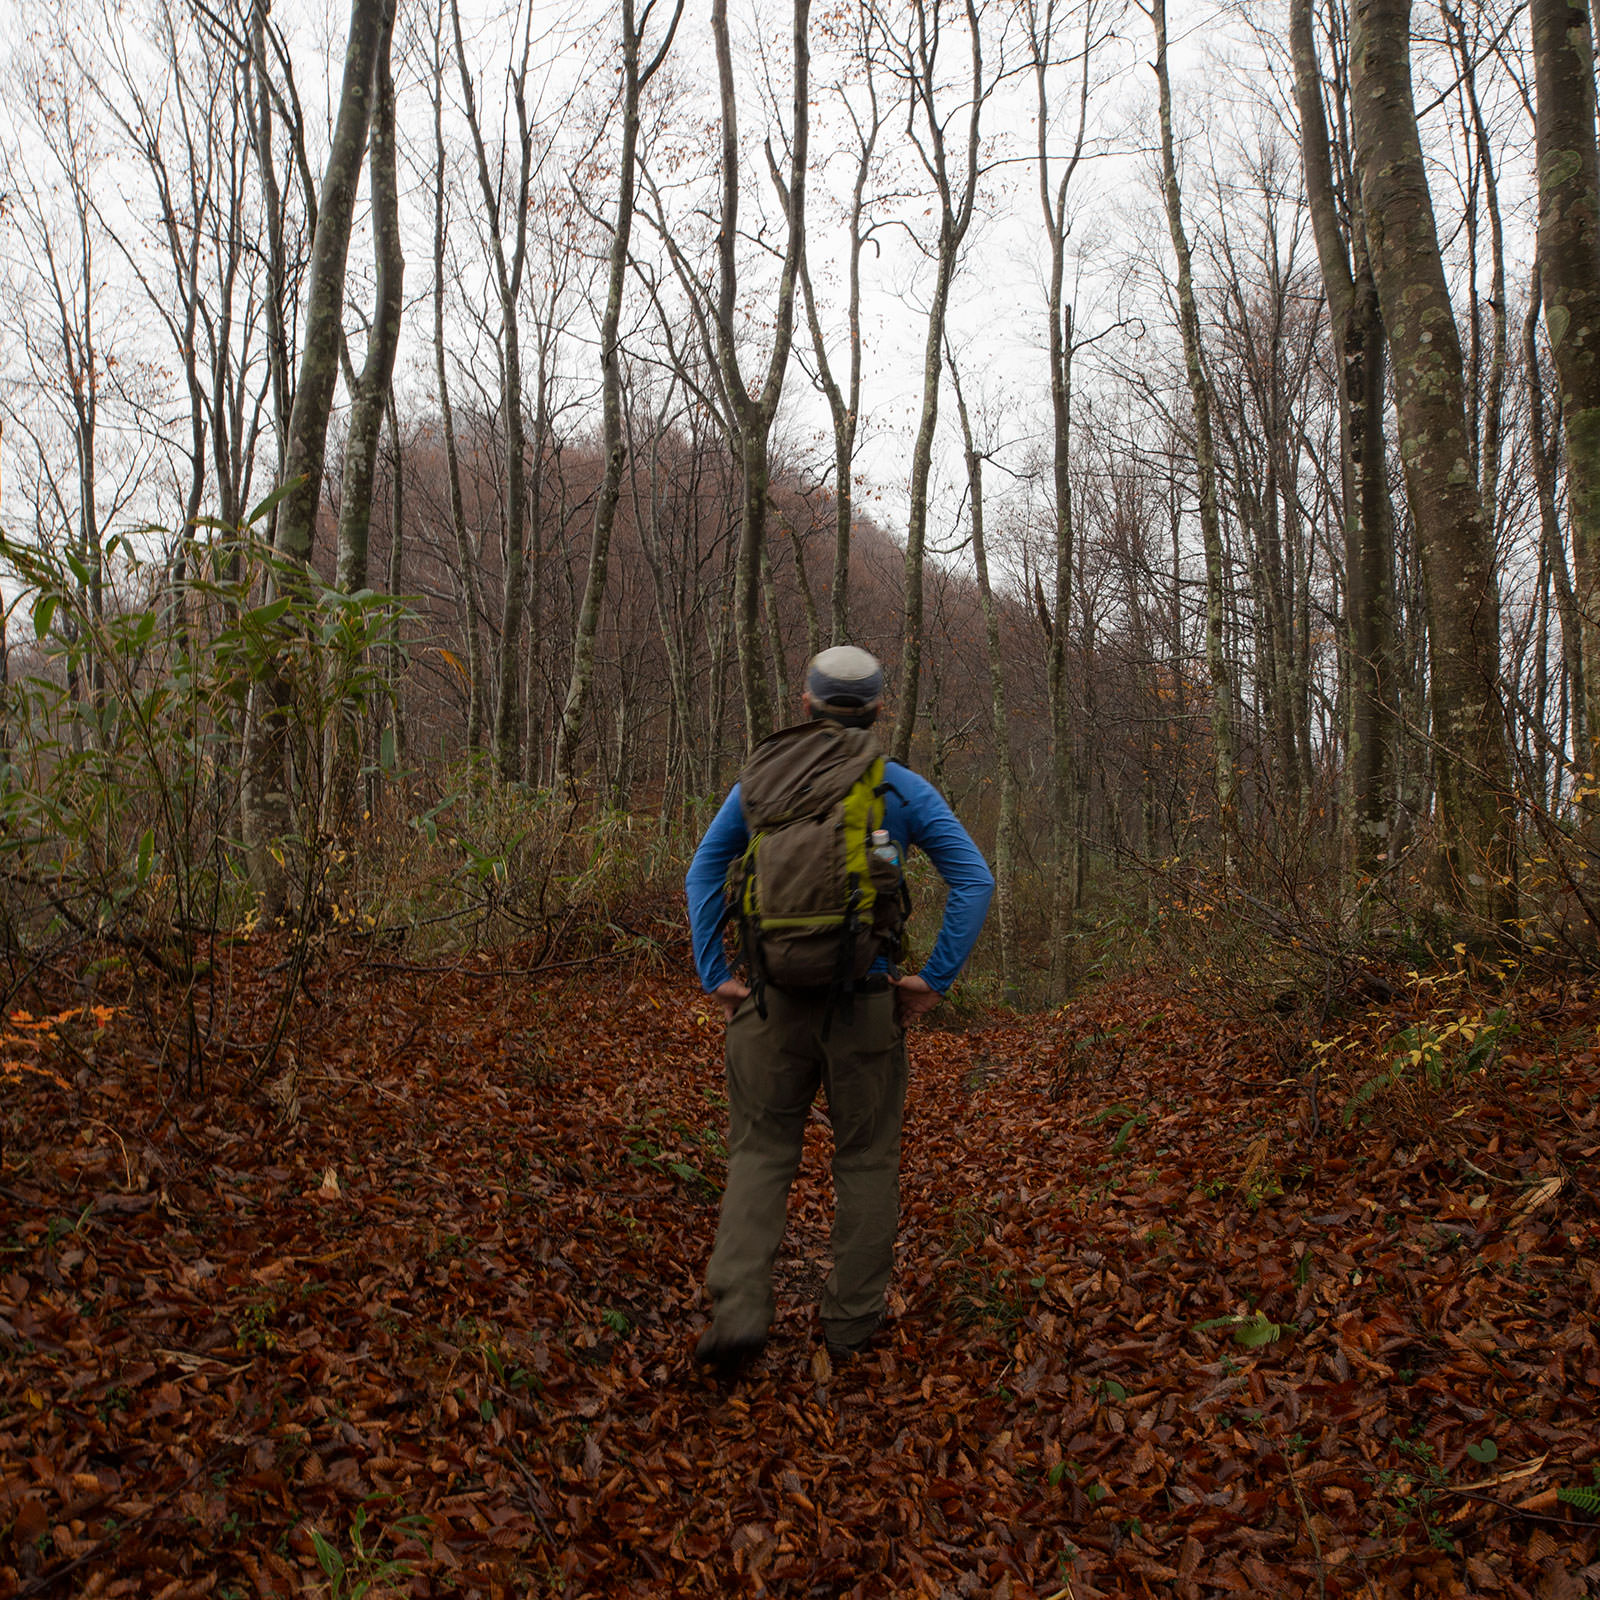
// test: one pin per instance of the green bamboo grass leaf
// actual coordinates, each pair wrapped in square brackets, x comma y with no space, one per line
[264,505]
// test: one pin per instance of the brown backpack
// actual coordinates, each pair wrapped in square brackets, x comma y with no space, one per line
[817,903]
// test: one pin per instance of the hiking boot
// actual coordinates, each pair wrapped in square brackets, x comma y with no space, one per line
[841,1351]
[727,1358]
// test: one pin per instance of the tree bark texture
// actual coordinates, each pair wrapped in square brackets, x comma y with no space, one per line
[1474,862]
[1356,326]
[1005,847]
[1569,264]
[330,250]
[581,678]
[1542,456]
[466,556]
[1217,666]
[266,798]
[277,338]
[844,401]
[955,218]
[508,281]
[1053,194]
[751,414]
[397,526]
[1485,386]
[647,491]
[371,395]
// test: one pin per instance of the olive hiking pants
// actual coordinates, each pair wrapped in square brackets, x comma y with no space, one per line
[774,1068]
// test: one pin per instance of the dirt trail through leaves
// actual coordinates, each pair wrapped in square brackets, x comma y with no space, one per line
[1163,1323]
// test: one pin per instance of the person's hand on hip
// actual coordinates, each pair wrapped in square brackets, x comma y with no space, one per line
[913,998]
[730,994]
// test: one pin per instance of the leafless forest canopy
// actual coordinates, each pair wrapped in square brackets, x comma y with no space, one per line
[435,439]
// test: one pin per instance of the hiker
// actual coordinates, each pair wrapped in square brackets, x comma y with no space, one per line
[821,1004]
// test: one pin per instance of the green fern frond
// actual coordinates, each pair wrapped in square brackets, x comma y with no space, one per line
[1372,1088]
[1583,1497]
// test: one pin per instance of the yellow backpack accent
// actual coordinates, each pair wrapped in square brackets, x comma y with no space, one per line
[816,906]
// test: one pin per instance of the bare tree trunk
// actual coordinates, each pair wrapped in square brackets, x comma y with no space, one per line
[533,698]
[508,282]
[319,356]
[370,397]
[233,436]
[775,651]
[276,299]
[1569,258]
[1085,749]
[844,403]
[267,780]
[808,600]
[466,556]
[1552,548]
[397,525]
[1357,329]
[5,685]
[1474,862]
[86,409]
[1486,390]
[1217,664]
[1005,845]
[1063,735]
[582,676]
[647,519]
[921,60]
[1543,754]
[752,415]
[1053,196]
[535,695]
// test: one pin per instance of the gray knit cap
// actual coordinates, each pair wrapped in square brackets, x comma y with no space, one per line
[845,677]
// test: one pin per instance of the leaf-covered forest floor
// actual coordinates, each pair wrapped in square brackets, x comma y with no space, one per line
[416,1309]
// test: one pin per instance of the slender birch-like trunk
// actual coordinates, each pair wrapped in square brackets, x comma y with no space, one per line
[1005,844]
[1542,456]
[1486,386]
[581,679]
[275,299]
[776,655]
[956,198]
[808,600]
[466,556]
[1218,669]
[1569,260]
[1054,189]
[397,526]
[267,780]
[751,414]
[1356,325]
[508,274]
[647,500]
[330,251]
[370,397]
[844,401]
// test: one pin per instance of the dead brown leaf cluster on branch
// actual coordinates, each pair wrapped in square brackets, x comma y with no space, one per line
[1168,1321]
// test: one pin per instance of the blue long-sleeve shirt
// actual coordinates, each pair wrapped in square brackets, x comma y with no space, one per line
[915,813]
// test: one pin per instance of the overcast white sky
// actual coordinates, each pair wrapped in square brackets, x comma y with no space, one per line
[1224,92]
